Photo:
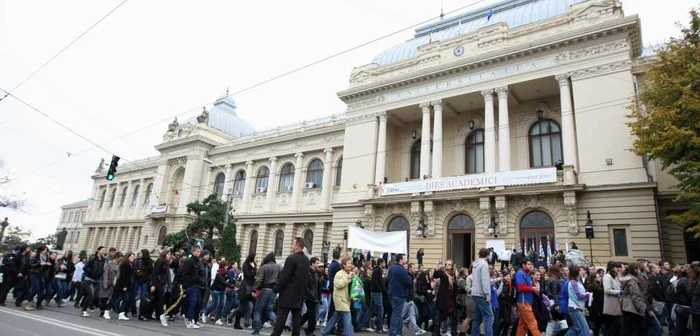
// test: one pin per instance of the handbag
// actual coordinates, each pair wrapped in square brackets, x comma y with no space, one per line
[657,306]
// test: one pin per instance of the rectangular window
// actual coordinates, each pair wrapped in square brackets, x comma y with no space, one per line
[620,242]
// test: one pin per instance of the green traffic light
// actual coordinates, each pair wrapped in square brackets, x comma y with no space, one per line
[110,177]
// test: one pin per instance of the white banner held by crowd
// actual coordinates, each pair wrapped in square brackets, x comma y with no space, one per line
[392,242]
[507,178]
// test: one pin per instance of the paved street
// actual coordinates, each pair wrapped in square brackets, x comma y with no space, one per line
[67,322]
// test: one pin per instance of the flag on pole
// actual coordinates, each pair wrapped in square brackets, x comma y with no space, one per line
[542,251]
[558,246]
[521,246]
[567,245]
[488,18]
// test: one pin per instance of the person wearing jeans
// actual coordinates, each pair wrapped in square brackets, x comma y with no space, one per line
[377,301]
[341,299]
[400,283]
[577,301]
[481,294]
[194,285]
[526,289]
[265,302]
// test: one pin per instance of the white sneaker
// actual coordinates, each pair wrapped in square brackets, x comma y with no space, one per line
[204,318]
[122,317]
[219,322]
[164,320]
[195,326]
[85,314]
[189,324]
[419,332]
[267,325]
[106,316]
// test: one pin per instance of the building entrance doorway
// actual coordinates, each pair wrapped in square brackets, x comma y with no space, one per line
[692,245]
[460,244]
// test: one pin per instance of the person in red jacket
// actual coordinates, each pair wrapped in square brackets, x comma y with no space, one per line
[526,288]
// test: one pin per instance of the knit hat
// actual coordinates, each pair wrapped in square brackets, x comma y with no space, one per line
[205,253]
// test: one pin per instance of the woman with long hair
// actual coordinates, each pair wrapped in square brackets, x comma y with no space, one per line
[125,278]
[465,304]
[612,312]
[62,280]
[447,296]
[424,295]
[39,266]
[595,311]
[144,273]
[161,284]
[245,296]
[577,302]
[633,304]
[682,299]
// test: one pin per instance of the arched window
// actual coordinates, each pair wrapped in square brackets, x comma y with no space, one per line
[461,222]
[219,182]
[149,191]
[286,177]
[137,190]
[239,183]
[314,174]
[114,195]
[415,160]
[474,156]
[279,241]
[253,242]
[400,223]
[162,232]
[339,172]
[122,201]
[537,234]
[102,198]
[545,144]
[309,241]
[76,236]
[261,179]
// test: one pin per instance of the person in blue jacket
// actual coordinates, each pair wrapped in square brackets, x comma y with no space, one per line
[399,284]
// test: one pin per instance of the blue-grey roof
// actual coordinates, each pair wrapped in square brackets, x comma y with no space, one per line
[515,13]
[223,117]
[81,204]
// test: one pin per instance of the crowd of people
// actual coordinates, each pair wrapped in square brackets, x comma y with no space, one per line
[356,294]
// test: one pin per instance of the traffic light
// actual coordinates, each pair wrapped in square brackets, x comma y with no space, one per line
[112,171]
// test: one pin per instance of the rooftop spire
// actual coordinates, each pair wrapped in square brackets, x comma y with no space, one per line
[442,13]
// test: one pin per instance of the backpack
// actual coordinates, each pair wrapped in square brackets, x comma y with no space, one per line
[564,297]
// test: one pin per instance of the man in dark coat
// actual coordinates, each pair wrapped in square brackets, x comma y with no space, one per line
[13,274]
[292,287]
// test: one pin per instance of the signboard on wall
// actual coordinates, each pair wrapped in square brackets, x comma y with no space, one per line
[392,242]
[473,181]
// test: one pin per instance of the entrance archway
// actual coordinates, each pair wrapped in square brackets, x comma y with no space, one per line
[537,234]
[400,223]
[692,245]
[460,240]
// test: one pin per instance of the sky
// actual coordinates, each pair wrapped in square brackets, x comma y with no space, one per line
[152,60]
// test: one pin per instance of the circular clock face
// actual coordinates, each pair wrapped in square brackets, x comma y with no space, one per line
[459,51]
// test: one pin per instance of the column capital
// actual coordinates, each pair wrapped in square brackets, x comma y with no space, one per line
[562,79]
[425,107]
[502,91]
[436,103]
[299,155]
[488,94]
[273,159]
[381,114]
[249,163]
[328,150]
[227,166]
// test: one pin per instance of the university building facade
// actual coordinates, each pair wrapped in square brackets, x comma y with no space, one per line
[535,87]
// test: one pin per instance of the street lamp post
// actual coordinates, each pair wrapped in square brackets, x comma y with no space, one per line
[228,192]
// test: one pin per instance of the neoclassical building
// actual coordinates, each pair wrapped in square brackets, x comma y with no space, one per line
[71,221]
[511,117]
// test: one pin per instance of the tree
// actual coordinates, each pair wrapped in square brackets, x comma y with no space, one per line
[208,225]
[49,241]
[229,247]
[667,122]
[13,238]
[8,201]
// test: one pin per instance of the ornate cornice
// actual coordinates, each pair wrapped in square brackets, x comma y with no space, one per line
[601,69]
[182,160]
[496,56]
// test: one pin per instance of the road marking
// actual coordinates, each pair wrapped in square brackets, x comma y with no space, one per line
[59,323]
[4,325]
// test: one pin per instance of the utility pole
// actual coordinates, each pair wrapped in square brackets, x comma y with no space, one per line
[4,225]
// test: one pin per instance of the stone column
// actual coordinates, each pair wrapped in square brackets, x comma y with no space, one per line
[568,131]
[437,139]
[271,185]
[489,133]
[127,239]
[227,178]
[380,170]
[296,187]
[425,142]
[327,185]
[503,130]
[247,188]
[139,197]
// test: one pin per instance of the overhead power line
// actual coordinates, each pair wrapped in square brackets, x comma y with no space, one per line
[7,93]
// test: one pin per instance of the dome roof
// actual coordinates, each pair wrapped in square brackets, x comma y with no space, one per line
[223,117]
[515,13]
